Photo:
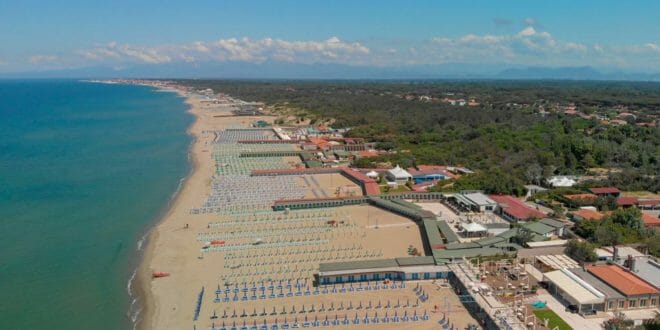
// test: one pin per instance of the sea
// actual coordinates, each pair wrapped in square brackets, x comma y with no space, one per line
[86,169]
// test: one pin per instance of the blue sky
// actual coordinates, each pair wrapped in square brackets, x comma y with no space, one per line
[614,35]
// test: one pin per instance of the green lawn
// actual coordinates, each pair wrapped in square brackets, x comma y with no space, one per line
[555,320]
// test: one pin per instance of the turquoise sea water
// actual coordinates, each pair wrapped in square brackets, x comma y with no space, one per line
[85,169]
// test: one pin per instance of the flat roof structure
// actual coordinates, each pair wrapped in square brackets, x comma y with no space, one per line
[557,242]
[622,280]
[574,287]
[473,227]
[539,228]
[647,269]
[475,198]
[558,261]
[446,255]
[447,232]
[552,223]
[433,234]
[594,281]
[404,264]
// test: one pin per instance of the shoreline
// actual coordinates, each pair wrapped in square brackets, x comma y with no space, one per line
[143,274]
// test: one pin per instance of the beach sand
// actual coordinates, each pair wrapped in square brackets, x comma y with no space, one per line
[168,302]
[173,247]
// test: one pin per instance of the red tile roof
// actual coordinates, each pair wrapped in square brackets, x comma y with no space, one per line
[516,208]
[368,153]
[650,219]
[622,280]
[605,190]
[649,202]
[626,201]
[369,185]
[588,214]
[574,197]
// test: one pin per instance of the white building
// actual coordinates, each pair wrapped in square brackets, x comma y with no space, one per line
[562,181]
[398,175]
[475,202]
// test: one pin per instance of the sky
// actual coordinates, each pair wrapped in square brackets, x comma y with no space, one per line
[65,34]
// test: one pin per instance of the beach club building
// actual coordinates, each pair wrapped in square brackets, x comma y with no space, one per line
[636,292]
[574,291]
[475,202]
[406,268]
[514,210]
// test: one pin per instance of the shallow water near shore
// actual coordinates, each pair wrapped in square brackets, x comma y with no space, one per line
[85,169]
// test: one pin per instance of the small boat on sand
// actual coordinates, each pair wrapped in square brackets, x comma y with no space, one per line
[160,274]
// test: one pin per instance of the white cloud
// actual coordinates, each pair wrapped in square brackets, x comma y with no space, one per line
[114,50]
[653,47]
[232,49]
[527,32]
[529,46]
[42,58]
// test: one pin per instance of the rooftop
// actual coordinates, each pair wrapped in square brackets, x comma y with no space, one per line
[588,214]
[622,280]
[539,228]
[648,269]
[472,227]
[626,201]
[476,198]
[581,291]
[552,223]
[596,283]
[650,219]
[605,190]
[516,208]
[378,263]
[580,196]
[649,202]
[399,173]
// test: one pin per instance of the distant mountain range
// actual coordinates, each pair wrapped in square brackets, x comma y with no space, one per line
[285,70]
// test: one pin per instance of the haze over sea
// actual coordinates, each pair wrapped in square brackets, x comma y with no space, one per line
[85,170]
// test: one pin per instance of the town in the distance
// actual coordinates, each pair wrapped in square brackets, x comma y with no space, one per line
[290,222]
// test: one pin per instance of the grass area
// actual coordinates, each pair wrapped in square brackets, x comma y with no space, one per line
[555,320]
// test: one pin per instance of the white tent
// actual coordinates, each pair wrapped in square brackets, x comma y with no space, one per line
[398,174]
[372,174]
[473,227]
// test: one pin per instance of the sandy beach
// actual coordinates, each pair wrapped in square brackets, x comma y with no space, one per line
[360,232]
[170,247]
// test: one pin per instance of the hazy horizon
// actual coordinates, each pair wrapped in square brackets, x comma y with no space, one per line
[365,39]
